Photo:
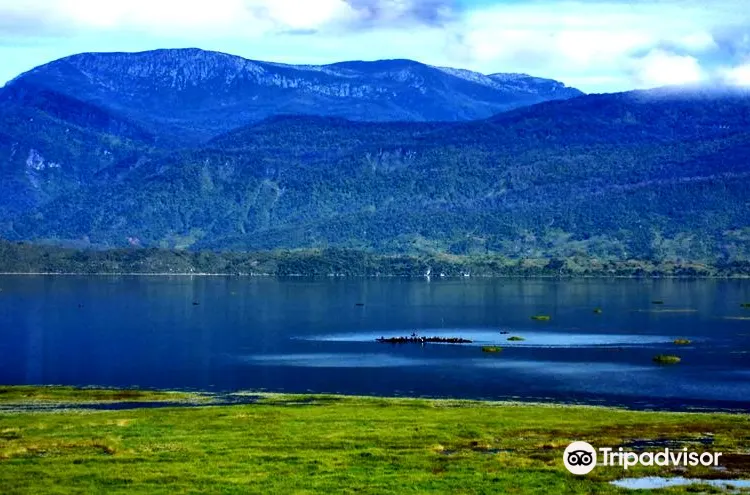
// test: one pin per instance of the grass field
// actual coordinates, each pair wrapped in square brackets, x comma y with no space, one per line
[330,444]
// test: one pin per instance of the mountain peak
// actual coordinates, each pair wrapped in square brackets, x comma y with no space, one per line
[183,66]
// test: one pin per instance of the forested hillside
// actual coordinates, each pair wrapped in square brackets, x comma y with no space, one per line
[333,262]
[655,175]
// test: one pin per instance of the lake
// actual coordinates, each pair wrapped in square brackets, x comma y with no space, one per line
[240,333]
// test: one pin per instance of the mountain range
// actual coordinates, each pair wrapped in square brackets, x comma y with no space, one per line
[192,149]
[184,96]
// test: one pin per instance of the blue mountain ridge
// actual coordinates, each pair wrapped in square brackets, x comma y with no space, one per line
[93,158]
[191,94]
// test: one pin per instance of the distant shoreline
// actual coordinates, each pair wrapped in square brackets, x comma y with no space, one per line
[409,277]
[37,396]
[35,259]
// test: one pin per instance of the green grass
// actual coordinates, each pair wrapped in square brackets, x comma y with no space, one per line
[27,395]
[329,444]
[683,341]
[541,317]
[516,339]
[492,348]
[666,359]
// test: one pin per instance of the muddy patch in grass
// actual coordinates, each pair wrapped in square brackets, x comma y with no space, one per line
[661,443]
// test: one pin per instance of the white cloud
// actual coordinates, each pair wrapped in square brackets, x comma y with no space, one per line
[595,41]
[611,45]
[149,14]
[238,18]
[243,18]
[303,14]
[697,42]
[738,76]
[661,68]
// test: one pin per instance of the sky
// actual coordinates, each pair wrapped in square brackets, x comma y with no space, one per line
[596,46]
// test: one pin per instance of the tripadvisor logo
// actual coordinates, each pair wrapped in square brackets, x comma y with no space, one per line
[581,458]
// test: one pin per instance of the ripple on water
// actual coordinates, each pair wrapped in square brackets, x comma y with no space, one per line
[593,370]
[339,360]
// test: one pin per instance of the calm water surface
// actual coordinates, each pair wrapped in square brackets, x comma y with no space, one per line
[310,336]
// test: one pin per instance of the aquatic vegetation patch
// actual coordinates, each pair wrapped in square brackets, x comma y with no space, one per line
[667,359]
[516,339]
[492,348]
[598,311]
[683,341]
[541,317]
[658,301]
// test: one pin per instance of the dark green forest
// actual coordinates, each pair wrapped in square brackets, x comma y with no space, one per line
[656,176]
[33,258]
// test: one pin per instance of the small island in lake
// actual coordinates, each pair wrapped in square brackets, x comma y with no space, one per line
[416,339]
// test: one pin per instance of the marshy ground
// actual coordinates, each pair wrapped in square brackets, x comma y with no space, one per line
[333,444]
